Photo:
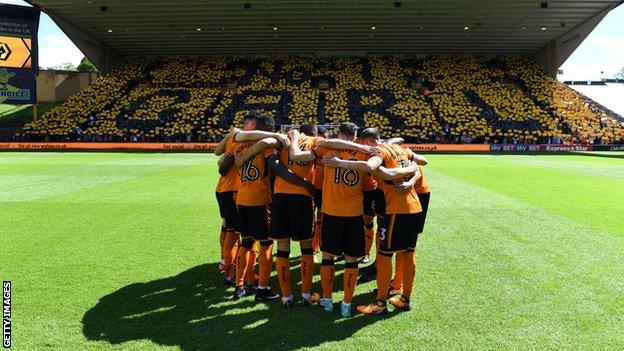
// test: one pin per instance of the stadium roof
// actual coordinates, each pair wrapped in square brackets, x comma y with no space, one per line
[323,27]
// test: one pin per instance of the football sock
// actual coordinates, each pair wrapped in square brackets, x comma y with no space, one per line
[222,235]
[409,272]
[229,252]
[377,238]
[307,270]
[369,235]
[377,246]
[283,272]
[242,258]
[350,280]
[384,272]
[237,242]
[327,277]
[397,281]
[233,253]
[250,276]
[265,262]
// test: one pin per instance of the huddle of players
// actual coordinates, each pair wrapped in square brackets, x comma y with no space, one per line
[270,185]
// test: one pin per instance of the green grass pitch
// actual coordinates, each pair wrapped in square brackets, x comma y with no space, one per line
[119,251]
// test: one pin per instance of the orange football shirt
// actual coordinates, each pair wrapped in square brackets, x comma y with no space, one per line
[342,188]
[369,183]
[255,189]
[319,171]
[422,186]
[396,156]
[230,181]
[304,170]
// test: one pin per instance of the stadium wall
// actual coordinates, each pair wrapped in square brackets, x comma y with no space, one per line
[57,86]
[184,147]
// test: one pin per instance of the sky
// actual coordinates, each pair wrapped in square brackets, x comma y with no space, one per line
[602,51]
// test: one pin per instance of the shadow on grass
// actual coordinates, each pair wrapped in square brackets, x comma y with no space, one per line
[194,311]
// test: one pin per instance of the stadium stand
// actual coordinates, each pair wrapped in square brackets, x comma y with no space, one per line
[445,99]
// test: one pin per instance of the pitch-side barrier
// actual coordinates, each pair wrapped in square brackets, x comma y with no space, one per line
[209,147]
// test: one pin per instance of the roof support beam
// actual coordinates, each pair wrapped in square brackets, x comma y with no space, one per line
[554,54]
[102,55]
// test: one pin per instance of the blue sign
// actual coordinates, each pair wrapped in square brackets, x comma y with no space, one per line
[19,26]
[18,86]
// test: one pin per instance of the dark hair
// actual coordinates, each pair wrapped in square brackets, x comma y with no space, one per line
[321,130]
[308,129]
[370,133]
[253,114]
[265,123]
[348,129]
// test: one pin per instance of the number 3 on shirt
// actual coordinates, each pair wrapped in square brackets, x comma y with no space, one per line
[349,177]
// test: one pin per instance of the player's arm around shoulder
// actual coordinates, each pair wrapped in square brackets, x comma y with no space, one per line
[258,147]
[419,159]
[255,135]
[397,173]
[368,166]
[295,154]
[252,135]
[338,144]
[225,162]
[397,140]
[405,186]
[283,172]
[222,145]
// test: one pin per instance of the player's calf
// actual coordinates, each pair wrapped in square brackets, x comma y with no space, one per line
[265,261]
[384,271]
[222,234]
[350,282]
[242,267]
[230,250]
[307,272]
[282,268]
[328,272]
